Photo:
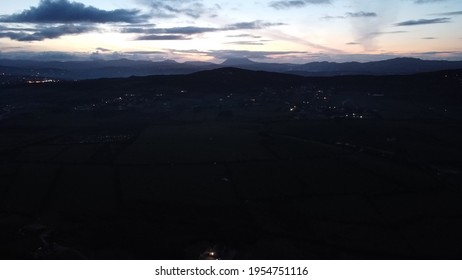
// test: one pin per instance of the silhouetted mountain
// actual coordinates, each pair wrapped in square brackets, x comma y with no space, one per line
[198,63]
[238,62]
[396,66]
[77,70]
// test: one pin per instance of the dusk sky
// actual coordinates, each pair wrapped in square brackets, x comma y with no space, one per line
[212,30]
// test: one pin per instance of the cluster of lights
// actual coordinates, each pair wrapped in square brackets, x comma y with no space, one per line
[42,82]
[355,116]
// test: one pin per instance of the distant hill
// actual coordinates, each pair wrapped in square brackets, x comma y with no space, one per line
[79,70]
[396,66]
[238,62]
[236,80]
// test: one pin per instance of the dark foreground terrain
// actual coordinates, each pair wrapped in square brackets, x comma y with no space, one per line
[241,164]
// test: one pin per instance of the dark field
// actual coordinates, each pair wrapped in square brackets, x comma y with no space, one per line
[175,167]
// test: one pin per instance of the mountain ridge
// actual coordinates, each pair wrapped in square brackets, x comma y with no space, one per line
[80,70]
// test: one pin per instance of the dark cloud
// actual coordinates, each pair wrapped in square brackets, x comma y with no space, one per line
[287,4]
[353,43]
[244,36]
[457,13]
[225,54]
[429,38]
[63,11]
[361,14]
[144,52]
[51,32]
[258,24]
[181,33]
[424,21]
[374,34]
[162,38]
[13,29]
[135,25]
[247,43]
[138,30]
[191,30]
[279,5]
[439,53]
[333,17]
[83,56]
[103,50]
[133,55]
[174,8]
[186,30]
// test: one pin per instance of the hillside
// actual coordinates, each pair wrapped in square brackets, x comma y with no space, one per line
[232,164]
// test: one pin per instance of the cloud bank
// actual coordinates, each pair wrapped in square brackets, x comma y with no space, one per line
[43,33]
[423,21]
[184,33]
[174,8]
[287,4]
[53,19]
[63,11]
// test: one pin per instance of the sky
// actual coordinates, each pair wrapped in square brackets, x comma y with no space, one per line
[295,31]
